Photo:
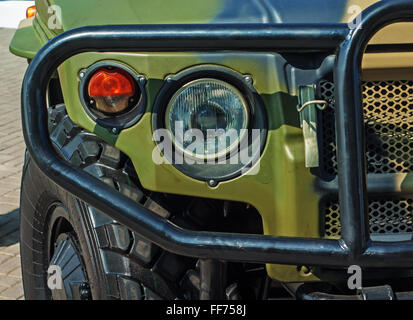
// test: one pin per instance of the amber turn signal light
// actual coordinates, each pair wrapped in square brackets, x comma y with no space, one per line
[30,12]
[111,90]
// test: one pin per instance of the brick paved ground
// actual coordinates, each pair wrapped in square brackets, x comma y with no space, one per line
[11,162]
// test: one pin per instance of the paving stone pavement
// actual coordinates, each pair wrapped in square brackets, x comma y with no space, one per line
[11,161]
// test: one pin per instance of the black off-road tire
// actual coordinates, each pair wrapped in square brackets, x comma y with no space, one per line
[108,253]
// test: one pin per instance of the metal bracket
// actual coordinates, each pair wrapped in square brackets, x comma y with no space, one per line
[308,119]
[321,104]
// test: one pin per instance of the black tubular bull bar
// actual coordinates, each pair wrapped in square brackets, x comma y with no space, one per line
[354,247]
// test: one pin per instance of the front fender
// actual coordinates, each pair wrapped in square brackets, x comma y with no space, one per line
[26,41]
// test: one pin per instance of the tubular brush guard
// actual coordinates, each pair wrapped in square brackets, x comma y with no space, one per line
[355,246]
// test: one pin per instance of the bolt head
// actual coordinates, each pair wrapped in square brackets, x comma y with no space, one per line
[84,291]
[212,183]
[248,79]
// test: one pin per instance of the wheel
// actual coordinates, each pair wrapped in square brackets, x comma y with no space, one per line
[98,258]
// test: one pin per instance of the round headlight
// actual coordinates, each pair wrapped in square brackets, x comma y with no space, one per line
[213,108]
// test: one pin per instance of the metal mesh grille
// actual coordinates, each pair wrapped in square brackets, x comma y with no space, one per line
[331,216]
[329,155]
[388,118]
[386,216]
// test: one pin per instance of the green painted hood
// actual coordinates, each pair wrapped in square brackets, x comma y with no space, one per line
[77,13]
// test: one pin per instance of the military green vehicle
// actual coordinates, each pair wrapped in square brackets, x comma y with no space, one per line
[220,149]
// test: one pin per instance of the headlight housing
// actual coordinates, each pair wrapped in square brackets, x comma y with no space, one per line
[216,109]
[112,94]
[212,98]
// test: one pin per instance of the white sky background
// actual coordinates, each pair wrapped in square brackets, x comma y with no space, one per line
[12,12]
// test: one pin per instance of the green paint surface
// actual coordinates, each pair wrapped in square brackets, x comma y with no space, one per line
[26,42]
[103,12]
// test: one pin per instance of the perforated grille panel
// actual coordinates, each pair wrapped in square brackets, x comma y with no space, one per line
[328,152]
[388,118]
[388,113]
[386,216]
[331,214]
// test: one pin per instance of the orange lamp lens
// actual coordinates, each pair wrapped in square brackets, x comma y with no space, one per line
[31,12]
[111,90]
[110,83]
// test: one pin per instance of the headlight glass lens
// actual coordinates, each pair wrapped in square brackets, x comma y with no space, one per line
[212,107]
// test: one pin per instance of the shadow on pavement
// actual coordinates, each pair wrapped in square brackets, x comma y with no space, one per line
[9,227]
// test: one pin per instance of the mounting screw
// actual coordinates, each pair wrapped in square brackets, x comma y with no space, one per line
[212,183]
[81,74]
[115,130]
[142,79]
[248,79]
[168,79]
[84,291]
